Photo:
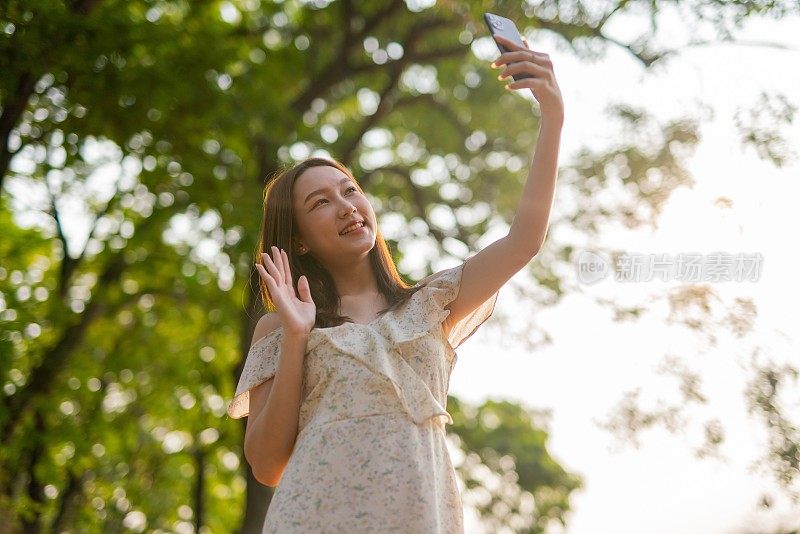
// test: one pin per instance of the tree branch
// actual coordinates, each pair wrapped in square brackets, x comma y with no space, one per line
[420,202]
[12,111]
[443,108]
[57,356]
[340,67]
[67,263]
[384,108]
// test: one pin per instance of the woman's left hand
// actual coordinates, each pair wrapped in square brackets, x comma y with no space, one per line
[543,85]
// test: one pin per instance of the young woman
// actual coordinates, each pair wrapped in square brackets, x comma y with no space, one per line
[345,385]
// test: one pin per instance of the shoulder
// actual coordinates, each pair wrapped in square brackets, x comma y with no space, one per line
[266,324]
[447,324]
[432,277]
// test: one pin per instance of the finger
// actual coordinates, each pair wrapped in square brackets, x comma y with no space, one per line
[526,67]
[276,257]
[529,83]
[515,57]
[270,265]
[262,272]
[286,269]
[509,57]
[272,290]
[305,291]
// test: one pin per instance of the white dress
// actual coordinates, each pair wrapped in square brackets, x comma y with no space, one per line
[371,454]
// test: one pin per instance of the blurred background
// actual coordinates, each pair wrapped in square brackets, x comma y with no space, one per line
[136,138]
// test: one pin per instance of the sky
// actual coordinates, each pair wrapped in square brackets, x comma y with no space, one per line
[662,487]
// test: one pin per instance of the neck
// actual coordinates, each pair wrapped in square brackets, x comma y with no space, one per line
[355,279]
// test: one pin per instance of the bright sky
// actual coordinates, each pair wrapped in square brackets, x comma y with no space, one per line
[662,487]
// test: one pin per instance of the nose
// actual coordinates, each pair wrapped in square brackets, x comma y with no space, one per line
[348,210]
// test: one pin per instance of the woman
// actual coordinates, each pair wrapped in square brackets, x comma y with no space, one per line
[345,385]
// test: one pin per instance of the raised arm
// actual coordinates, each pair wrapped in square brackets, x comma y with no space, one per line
[486,272]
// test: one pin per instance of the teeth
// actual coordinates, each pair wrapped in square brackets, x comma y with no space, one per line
[352,227]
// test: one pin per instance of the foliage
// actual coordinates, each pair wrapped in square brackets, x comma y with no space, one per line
[135,141]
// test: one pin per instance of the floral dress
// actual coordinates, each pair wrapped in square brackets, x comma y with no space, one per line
[370,454]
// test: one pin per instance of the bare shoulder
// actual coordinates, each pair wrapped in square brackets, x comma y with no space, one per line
[266,324]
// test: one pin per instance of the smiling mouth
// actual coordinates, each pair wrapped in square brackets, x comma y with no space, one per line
[354,229]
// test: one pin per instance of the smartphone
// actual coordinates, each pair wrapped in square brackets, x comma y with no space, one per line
[506,28]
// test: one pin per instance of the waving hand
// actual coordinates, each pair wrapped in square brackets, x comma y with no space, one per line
[297,315]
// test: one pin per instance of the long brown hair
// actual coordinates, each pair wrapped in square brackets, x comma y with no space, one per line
[278,228]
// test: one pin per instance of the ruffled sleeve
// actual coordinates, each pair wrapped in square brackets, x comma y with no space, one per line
[260,365]
[444,290]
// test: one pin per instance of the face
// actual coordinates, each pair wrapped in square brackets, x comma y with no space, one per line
[325,201]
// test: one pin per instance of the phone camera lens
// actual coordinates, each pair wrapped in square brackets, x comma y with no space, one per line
[497,24]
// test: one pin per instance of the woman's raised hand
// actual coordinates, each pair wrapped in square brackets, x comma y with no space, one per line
[543,83]
[297,315]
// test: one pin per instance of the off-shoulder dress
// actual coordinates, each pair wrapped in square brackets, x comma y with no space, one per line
[370,454]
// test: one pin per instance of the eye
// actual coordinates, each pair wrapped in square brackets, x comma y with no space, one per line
[322,199]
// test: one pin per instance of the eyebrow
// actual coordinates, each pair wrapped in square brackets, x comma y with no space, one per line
[318,191]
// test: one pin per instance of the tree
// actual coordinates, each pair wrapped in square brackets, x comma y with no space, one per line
[161,121]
